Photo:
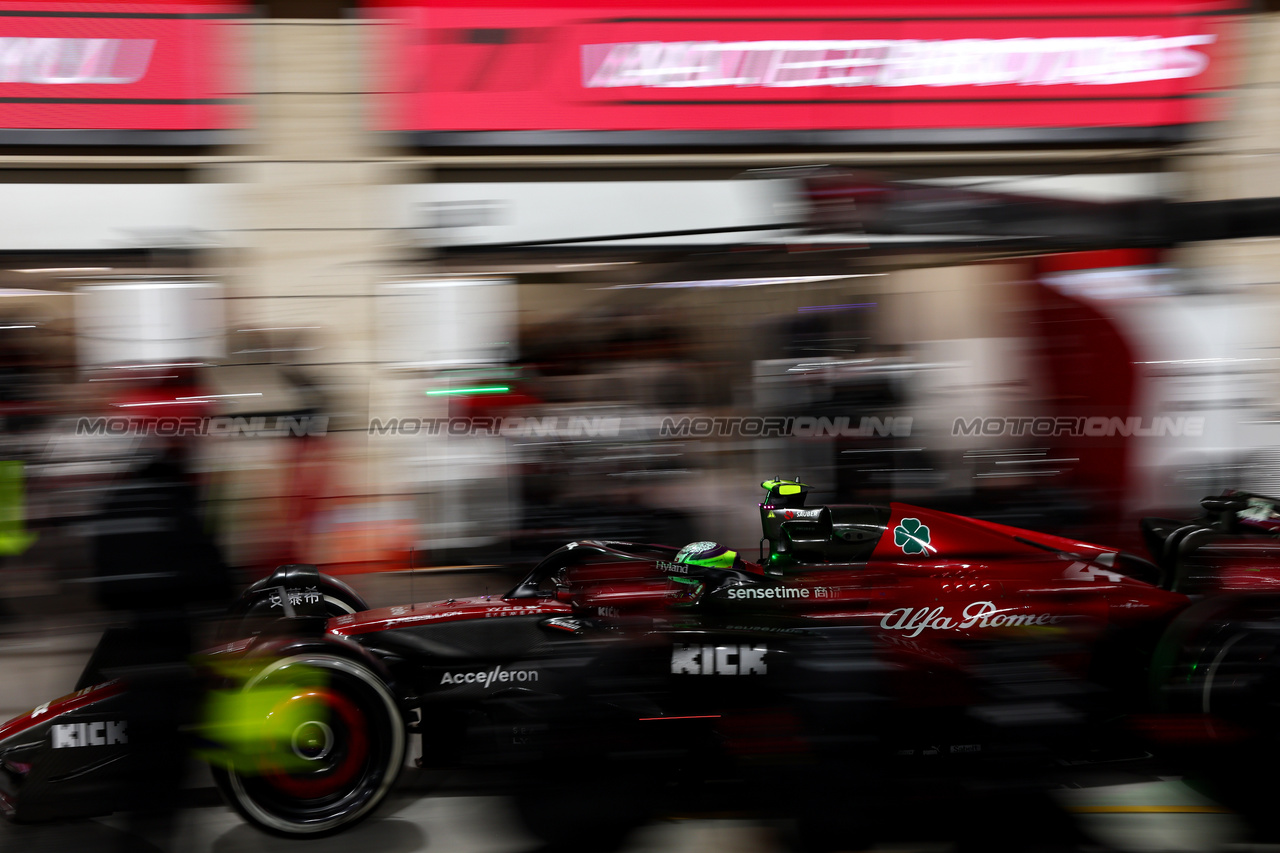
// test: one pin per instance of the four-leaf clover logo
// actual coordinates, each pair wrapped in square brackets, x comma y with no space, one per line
[912,536]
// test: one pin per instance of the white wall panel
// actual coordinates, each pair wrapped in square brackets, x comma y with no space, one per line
[53,217]
[475,213]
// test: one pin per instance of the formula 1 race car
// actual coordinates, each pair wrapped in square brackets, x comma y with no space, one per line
[862,638]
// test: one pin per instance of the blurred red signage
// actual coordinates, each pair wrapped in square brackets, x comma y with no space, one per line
[874,68]
[116,66]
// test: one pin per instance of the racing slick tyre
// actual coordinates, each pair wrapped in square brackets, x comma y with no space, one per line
[1217,676]
[1220,661]
[328,744]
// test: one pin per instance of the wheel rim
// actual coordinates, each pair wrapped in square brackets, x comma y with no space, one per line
[312,741]
[318,758]
[355,764]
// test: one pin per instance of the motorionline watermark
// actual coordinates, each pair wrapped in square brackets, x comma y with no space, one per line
[261,426]
[576,426]
[552,426]
[777,427]
[1092,427]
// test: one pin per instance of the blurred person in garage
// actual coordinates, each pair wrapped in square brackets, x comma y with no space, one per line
[157,569]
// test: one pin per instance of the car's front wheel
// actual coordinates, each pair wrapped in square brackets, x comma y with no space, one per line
[326,745]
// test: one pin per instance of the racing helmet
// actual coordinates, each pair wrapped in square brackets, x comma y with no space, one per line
[691,566]
[707,555]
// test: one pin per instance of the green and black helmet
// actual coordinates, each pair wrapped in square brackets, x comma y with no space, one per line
[692,563]
[696,563]
[707,555]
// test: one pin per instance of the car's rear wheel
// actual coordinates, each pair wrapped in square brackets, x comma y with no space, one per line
[1217,676]
[330,744]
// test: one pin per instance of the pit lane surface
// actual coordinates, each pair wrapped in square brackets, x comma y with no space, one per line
[1141,817]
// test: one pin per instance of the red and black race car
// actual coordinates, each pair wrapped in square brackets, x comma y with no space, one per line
[862,637]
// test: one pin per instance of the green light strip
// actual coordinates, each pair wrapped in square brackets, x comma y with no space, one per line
[480,389]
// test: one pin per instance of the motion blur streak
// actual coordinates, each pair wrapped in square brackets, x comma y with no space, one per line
[385,386]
